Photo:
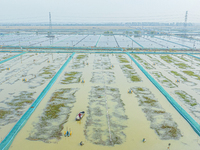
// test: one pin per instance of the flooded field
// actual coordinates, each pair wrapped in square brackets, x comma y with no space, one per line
[122,107]
[86,40]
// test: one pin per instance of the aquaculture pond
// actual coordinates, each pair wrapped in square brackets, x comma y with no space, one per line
[121,105]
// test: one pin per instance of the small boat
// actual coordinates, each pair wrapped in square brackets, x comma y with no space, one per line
[82,113]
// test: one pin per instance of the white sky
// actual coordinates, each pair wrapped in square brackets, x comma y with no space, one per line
[97,11]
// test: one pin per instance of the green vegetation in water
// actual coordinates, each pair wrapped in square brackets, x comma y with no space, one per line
[71,73]
[167,58]
[100,89]
[137,57]
[80,56]
[146,65]
[171,130]
[191,73]
[113,89]
[179,75]
[3,113]
[196,59]
[128,66]
[186,97]
[165,128]
[159,112]
[135,78]
[52,110]
[23,99]
[6,57]
[149,101]
[55,115]
[130,73]
[157,74]
[164,80]
[140,89]
[193,104]
[58,95]
[122,59]
[149,56]
[182,65]
[47,71]
[183,58]
[72,77]
[94,126]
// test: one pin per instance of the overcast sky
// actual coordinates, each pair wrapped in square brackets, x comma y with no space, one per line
[78,11]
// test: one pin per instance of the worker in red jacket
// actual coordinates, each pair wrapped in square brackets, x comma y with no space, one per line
[79,115]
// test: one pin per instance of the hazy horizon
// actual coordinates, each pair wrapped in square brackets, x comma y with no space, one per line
[104,11]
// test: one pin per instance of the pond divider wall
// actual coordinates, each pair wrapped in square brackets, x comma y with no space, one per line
[98,41]
[193,56]
[183,113]
[134,41]
[81,40]
[116,41]
[12,57]
[5,144]
[172,42]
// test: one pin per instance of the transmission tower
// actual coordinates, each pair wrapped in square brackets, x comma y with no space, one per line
[185,24]
[50,26]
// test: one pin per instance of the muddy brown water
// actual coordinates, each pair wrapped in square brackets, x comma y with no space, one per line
[138,127]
